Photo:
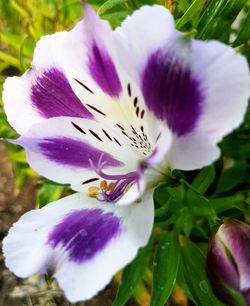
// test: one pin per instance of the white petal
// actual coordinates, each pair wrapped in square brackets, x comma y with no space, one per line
[191,152]
[16,98]
[146,30]
[43,91]
[49,51]
[225,83]
[17,90]
[63,164]
[27,250]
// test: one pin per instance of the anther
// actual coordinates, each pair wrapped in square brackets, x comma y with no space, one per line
[111,186]
[127,188]
[103,185]
[93,191]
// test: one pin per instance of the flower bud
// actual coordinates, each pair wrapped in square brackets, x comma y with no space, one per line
[228,263]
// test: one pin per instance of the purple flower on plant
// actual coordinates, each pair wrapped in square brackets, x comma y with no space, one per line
[228,262]
[107,111]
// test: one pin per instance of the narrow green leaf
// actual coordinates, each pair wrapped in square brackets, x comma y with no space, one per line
[166,263]
[21,55]
[132,274]
[232,174]
[19,9]
[10,39]
[218,18]
[11,60]
[204,179]
[184,5]
[108,5]
[192,14]
[48,193]
[244,32]
[238,201]
[192,265]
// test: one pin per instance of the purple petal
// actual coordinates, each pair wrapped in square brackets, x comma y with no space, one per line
[220,268]
[103,71]
[246,295]
[171,92]
[67,151]
[52,96]
[236,236]
[84,233]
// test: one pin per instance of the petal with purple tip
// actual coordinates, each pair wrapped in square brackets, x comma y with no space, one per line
[91,58]
[236,237]
[220,268]
[73,150]
[81,241]
[43,91]
[187,83]
[70,152]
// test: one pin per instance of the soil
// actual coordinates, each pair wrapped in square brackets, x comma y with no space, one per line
[34,291]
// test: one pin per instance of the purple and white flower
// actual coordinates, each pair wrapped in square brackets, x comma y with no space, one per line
[107,112]
[228,262]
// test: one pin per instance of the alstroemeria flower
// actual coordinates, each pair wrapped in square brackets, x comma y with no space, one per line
[228,262]
[109,111]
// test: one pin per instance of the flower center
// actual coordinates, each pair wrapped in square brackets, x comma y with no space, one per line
[113,187]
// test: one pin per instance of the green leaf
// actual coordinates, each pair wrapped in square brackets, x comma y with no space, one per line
[132,274]
[9,59]
[19,9]
[166,263]
[232,174]
[108,5]
[244,32]
[192,14]
[192,266]
[237,201]
[48,193]
[218,18]
[204,179]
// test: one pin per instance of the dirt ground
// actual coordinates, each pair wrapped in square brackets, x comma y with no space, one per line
[34,291]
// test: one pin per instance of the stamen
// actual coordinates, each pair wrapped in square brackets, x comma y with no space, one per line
[93,191]
[111,186]
[103,185]
[127,188]
[120,183]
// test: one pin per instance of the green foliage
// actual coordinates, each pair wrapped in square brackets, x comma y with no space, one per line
[190,205]
[132,274]
[49,192]
[192,270]
[166,264]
